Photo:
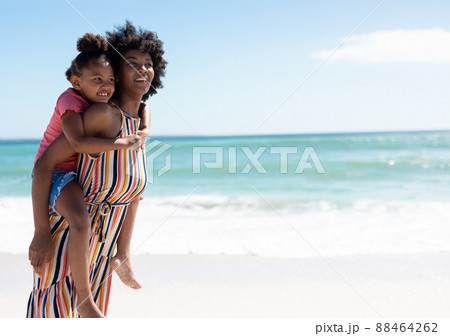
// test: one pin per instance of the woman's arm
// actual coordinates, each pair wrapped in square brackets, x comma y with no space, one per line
[124,240]
[72,124]
[58,152]
[144,126]
[41,247]
[144,114]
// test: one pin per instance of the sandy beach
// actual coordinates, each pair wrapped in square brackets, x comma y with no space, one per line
[414,285]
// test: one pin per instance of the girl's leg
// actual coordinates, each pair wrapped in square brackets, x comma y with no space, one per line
[70,204]
[121,261]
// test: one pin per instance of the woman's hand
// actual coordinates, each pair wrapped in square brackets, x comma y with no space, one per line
[40,251]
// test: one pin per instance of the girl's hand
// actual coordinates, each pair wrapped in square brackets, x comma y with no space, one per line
[143,135]
[40,251]
[132,142]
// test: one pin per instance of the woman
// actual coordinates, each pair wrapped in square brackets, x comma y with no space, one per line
[109,180]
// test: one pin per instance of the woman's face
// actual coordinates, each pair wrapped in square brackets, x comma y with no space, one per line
[136,73]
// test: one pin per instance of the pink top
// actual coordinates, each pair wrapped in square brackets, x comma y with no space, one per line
[68,100]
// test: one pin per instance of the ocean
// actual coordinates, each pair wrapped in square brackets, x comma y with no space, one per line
[287,196]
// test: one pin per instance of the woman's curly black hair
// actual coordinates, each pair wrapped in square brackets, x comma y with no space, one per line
[91,47]
[125,38]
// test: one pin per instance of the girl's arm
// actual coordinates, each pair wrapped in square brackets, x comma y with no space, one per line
[41,247]
[72,124]
[101,123]
[100,120]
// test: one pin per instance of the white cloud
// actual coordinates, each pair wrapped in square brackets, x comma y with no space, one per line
[411,46]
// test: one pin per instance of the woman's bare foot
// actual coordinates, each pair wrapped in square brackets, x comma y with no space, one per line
[87,308]
[121,264]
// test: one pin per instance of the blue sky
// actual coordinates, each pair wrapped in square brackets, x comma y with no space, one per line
[232,63]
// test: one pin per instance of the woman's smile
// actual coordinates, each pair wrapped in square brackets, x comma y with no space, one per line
[137,69]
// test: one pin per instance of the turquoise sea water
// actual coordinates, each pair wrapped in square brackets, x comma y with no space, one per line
[378,193]
[389,166]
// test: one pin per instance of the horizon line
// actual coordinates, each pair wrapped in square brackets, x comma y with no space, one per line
[262,134]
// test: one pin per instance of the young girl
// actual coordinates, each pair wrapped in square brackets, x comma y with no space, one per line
[116,178]
[92,79]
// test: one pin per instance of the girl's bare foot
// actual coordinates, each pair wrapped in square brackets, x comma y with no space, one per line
[87,308]
[121,264]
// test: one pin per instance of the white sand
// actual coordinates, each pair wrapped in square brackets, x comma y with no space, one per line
[248,286]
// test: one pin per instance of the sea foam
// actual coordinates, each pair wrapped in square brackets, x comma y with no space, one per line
[216,224]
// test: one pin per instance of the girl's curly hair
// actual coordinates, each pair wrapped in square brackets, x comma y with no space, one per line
[125,38]
[91,47]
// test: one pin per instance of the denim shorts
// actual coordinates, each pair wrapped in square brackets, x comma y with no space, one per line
[60,179]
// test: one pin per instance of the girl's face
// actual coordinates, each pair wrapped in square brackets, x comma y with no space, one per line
[96,82]
[136,75]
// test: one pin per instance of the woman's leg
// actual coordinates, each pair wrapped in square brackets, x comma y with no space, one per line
[121,261]
[70,204]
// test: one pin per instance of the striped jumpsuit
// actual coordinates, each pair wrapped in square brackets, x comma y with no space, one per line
[109,182]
